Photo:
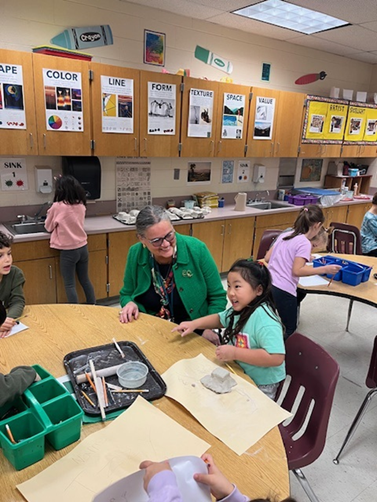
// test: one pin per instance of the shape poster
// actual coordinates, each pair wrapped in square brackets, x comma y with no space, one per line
[12,109]
[264,118]
[117,104]
[200,113]
[161,108]
[233,116]
[355,123]
[13,174]
[63,100]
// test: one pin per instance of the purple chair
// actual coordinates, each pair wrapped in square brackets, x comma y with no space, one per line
[307,393]
[266,241]
[371,383]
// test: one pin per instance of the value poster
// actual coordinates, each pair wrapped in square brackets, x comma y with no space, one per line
[264,118]
[370,133]
[12,109]
[63,100]
[233,113]
[161,108]
[117,104]
[200,113]
[335,121]
[355,123]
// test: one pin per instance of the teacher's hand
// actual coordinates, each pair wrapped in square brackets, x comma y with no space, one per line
[152,468]
[129,312]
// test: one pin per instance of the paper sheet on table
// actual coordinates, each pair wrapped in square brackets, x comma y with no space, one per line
[17,328]
[254,413]
[141,432]
[312,280]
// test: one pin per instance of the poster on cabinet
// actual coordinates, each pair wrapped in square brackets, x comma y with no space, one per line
[12,109]
[264,118]
[370,133]
[117,105]
[161,108]
[355,123]
[13,175]
[233,111]
[200,113]
[63,100]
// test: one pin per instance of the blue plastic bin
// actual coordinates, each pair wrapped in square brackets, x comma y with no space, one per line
[352,274]
[330,260]
[366,274]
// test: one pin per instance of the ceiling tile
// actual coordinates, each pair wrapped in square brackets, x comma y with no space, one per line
[354,36]
[324,45]
[353,11]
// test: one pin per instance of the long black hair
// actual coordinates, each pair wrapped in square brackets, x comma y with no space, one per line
[308,216]
[69,190]
[256,274]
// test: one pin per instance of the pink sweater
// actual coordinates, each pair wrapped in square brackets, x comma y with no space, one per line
[66,224]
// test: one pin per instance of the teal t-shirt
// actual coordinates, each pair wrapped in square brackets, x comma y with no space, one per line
[261,331]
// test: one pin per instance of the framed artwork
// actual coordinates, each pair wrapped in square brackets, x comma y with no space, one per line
[311,170]
[154,48]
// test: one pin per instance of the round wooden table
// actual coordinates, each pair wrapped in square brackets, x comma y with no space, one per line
[56,330]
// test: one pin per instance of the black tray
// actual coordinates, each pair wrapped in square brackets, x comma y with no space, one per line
[106,356]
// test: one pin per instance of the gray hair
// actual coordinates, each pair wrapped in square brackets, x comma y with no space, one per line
[149,216]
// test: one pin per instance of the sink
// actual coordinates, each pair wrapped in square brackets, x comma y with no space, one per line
[264,205]
[27,227]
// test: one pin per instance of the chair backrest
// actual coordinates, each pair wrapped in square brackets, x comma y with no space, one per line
[267,239]
[371,380]
[309,394]
[344,239]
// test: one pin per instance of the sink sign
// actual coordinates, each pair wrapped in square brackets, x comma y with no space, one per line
[13,174]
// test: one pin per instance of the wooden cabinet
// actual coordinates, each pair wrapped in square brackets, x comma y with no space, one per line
[184,228]
[356,213]
[277,220]
[318,150]
[358,151]
[111,105]
[335,213]
[55,140]
[363,182]
[118,245]
[17,141]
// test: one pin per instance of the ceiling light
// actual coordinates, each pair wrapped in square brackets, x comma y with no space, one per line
[293,17]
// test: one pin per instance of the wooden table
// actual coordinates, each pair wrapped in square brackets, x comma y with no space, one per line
[56,330]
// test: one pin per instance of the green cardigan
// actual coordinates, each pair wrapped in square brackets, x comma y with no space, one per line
[195,274]
[11,292]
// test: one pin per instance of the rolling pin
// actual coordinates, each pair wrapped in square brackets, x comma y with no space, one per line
[105,372]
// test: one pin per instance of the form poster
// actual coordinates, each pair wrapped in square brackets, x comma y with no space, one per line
[117,104]
[200,113]
[12,109]
[161,108]
[63,100]
[233,111]
[264,118]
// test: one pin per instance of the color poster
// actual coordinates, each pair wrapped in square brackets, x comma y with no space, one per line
[12,109]
[264,118]
[161,108]
[63,100]
[233,112]
[200,113]
[154,48]
[355,123]
[117,104]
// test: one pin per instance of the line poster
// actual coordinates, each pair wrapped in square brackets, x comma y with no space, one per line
[117,104]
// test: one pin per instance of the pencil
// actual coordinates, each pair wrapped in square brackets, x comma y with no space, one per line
[19,318]
[105,392]
[131,390]
[91,382]
[9,432]
[119,349]
[331,280]
[230,368]
[88,398]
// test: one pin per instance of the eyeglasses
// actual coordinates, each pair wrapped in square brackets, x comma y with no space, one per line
[159,240]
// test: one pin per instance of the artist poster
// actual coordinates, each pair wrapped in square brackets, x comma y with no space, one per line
[200,113]
[161,108]
[63,100]
[233,112]
[335,121]
[264,118]
[12,109]
[117,104]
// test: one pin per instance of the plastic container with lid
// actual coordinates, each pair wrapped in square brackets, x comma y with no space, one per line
[132,375]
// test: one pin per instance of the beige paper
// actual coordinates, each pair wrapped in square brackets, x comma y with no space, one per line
[239,419]
[141,432]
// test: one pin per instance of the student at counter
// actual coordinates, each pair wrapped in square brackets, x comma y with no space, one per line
[11,286]
[369,230]
[169,275]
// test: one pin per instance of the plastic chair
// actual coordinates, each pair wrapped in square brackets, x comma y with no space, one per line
[371,383]
[266,241]
[308,394]
[345,239]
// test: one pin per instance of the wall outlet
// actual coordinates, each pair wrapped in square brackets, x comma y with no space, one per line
[176,174]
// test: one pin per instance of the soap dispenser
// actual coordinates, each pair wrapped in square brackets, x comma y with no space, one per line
[43,179]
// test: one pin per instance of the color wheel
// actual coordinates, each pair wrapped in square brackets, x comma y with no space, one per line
[55,122]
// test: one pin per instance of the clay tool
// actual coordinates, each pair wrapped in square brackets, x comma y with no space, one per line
[100,397]
[88,398]
[119,349]
[230,368]
[91,382]
[111,370]
[113,387]
[105,392]
[132,390]
[9,432]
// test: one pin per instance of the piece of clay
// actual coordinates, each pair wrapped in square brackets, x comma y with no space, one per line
[219,381]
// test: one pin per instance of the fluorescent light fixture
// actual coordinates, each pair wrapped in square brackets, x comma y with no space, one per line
[293,17]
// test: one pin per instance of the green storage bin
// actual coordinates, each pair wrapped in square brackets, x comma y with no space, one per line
[65,416]
[47,389]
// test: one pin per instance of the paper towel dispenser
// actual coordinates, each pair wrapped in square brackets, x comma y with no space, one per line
[87,171]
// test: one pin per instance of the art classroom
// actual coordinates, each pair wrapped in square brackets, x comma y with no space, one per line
[152,162]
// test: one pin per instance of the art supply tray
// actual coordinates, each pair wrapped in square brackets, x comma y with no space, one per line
[46,411]
[351,273]
[104,357]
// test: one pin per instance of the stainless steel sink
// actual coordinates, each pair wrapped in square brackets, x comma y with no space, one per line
[26,227]
[264,205]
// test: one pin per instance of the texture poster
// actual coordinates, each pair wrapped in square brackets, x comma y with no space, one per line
[200,113]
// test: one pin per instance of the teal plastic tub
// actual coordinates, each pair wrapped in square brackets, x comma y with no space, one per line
[65,417]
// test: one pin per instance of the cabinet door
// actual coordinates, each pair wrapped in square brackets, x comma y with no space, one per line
[54,139]
[204,146]
[336,213]
[119,243]
[350,151]
[238,241]
[212,233]
[184,229]
[356,214]
[277,220]
[123,109]
[288,123]
[158,145]
[40,283]
[368,151]
[261,147]
[319,151]
[18,141]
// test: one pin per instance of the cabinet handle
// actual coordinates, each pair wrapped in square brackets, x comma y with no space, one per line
[50,271]
[212,146]
[145,144]
[220,146]
[222,230]
[278,149]
[229,229]
[135,144]
[272,150]
[31,139]
[44,141]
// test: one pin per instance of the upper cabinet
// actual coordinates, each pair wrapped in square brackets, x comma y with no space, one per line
[17,114]
[288,123]
[62,101]
[115,110]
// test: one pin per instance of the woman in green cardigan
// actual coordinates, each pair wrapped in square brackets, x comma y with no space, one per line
[169,275]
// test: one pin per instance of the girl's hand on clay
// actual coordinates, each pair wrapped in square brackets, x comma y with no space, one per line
[225,353]
[220,487]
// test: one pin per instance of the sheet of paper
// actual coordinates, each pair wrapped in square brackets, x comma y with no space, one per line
[245,405]
[312,280]
[139,433]
[17,328]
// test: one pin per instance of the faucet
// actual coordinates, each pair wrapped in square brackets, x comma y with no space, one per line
[257,199]
[267,195]
[37,214]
